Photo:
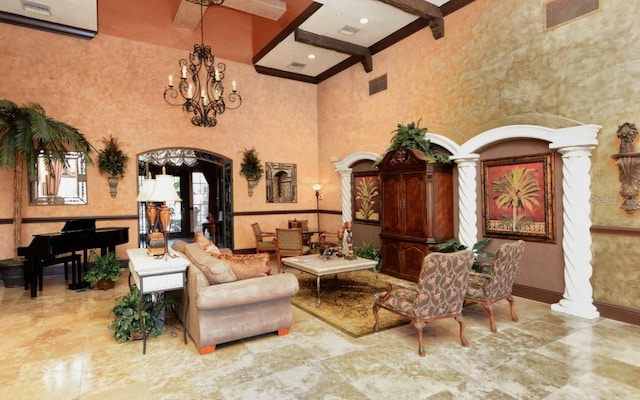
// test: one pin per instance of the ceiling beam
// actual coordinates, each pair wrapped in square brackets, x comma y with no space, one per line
[270,9]
[340,46]
[187,15]
[424,10]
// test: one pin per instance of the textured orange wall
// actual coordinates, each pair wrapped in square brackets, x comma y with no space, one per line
[114,86]
[496,65]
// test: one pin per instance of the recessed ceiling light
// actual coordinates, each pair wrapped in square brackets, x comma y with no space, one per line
[363,20]
[311,56]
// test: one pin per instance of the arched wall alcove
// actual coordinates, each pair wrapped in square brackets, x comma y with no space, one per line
[217,171]
[575,145]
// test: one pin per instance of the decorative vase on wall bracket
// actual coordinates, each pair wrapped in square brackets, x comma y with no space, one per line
[252,182]
[113,186]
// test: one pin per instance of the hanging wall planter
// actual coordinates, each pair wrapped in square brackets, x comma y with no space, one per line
[251,168]
[113,162]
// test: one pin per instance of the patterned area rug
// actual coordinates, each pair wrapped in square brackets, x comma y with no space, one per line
[346,302]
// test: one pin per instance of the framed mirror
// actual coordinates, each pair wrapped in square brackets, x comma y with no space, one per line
[59,184]
[282,184]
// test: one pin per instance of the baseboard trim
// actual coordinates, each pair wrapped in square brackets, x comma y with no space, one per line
[606,310]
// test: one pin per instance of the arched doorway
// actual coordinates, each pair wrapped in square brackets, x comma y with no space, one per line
[205,185]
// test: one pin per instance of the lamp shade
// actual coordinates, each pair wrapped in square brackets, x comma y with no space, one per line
[317,187]
[164,189]
[146,189]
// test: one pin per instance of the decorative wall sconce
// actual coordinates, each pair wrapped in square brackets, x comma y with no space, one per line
[628,162]
[317,188]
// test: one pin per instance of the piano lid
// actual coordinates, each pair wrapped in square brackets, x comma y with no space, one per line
[79,225]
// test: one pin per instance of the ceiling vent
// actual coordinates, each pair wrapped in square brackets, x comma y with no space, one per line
[349,30]
[296,65]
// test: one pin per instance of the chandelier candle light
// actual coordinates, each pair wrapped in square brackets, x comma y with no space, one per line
[209,100]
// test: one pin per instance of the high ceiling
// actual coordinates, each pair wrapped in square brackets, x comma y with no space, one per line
[296,39]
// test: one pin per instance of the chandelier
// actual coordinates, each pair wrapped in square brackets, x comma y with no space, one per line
[200,90]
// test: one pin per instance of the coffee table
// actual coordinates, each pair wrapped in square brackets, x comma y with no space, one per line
[315,265]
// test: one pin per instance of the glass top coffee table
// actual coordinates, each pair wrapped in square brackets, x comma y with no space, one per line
[316,266]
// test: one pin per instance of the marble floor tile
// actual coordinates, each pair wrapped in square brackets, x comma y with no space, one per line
[59,346]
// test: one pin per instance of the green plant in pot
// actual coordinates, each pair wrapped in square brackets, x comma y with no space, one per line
[26,132]
[369,252]
[251,168]
[113,162]
[454,244]
[411,136]
[127,323]
[104,271]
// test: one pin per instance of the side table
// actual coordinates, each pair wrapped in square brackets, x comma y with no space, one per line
[153,275]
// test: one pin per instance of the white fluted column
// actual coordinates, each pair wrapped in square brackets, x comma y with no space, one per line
[576,243]
[467,204]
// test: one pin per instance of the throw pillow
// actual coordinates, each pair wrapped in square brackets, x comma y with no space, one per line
[214,269]
[206,244]
[247,266]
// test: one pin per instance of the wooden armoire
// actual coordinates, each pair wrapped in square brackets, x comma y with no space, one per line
[416,210]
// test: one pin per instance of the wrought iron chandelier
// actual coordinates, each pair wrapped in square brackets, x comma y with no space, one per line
[202,95]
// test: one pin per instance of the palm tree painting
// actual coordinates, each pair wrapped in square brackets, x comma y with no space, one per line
[518,197]
[366,199]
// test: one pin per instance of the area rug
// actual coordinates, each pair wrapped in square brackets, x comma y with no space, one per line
[346,301]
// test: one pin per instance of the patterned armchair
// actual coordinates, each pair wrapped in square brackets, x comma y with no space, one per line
[497,284]
[289,244]
[438,294]
[263,245]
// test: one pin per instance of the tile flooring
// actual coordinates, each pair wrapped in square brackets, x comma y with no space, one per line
[58,346]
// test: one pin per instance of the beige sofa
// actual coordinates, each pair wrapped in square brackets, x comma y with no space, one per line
[222,308]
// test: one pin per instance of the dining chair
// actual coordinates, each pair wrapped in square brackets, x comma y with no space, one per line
[289,244]
[262,242]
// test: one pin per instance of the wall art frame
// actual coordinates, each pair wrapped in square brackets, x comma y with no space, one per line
[518,198]
[365,200]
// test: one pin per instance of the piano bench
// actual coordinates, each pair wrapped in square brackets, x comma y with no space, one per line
[74,259]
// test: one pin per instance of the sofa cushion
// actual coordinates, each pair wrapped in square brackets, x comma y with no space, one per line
[179,246]
[247,266]
[215,269]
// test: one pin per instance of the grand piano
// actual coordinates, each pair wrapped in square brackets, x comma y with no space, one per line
[76,235]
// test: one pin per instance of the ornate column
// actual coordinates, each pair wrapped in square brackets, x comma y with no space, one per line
[576,243]
[345,194]
[467,198]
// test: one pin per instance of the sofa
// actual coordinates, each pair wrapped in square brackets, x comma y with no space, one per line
[232,297]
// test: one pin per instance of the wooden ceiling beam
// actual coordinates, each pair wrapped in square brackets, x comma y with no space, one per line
[325,42]
[424,10]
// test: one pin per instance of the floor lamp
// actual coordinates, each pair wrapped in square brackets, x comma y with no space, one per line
[317,188]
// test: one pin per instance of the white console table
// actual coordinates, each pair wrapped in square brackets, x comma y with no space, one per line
[153,275]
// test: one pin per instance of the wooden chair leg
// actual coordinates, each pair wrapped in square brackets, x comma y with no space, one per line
[489,308]
[376,326]
[419,328]
[460,320]
[512,305]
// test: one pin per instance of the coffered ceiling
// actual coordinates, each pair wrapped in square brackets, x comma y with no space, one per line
[306,40]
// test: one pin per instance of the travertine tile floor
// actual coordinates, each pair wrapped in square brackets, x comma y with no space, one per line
[57,346]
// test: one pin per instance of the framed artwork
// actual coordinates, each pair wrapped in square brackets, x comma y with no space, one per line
[282,183]
[518,198]
[366,197]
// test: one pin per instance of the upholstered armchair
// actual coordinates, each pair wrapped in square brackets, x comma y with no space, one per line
[263,244]
[439,293]
[497,283]
[289,244]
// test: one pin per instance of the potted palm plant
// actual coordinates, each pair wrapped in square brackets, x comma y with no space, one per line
[105,270]
[113,162]
[25,133]
[251,168]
